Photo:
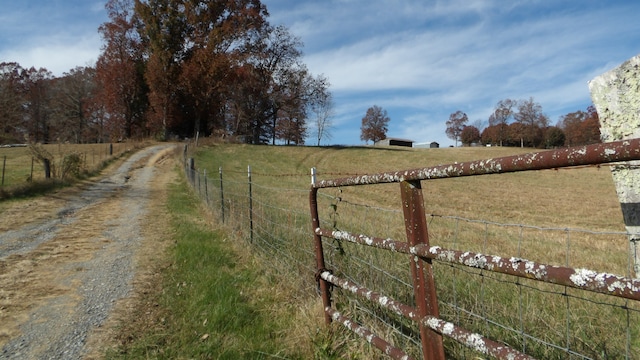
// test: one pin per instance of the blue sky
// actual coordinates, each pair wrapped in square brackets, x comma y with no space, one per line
[419,60]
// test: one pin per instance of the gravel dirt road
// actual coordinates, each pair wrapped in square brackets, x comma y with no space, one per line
[69,261]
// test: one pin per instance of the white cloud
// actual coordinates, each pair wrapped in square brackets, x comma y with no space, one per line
[58,55]
[56,35]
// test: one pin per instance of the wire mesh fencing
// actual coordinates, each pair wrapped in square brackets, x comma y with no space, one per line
[547,321]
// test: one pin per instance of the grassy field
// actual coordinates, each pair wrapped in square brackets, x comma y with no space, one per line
[22,173]
[218,302]
[567,217]
[235,293]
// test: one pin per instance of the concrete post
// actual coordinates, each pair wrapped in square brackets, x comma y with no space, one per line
[616,96]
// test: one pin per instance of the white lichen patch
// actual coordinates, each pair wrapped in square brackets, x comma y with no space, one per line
[433,323]
[582,277]
[515,262]
[477,343]
[369,338]
[368,294]
[477,261]
[447,329]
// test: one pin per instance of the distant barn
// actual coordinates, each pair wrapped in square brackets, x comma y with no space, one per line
[394,142]
[432,145]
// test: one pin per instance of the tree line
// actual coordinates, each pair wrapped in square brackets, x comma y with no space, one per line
[174,68]
[523,123]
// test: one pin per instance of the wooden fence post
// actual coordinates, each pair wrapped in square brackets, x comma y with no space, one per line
[616,96]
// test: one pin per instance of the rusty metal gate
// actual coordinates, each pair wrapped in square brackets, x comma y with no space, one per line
[420,254]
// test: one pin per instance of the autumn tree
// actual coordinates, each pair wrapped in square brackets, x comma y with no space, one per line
[291,128]
[11,102]
[581,127]
[492,135]
[74,92]
[294,106]
[37,106]
[219,35]
[212,67]
[533,122]
[500,118]
[122,91]
[375,124]
[456,124]
[469,135]
[553,137]
[162,30]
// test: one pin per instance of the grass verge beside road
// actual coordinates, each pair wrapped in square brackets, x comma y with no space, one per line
[218,301]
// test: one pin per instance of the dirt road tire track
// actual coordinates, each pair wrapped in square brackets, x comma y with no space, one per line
[62,274]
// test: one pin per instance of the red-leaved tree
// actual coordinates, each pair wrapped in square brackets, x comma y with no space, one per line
[375,124]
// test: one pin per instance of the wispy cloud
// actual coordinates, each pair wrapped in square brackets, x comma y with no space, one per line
[425,60]
[420,60]
[56,35]
[58,55]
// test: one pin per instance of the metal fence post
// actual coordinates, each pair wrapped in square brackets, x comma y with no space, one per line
[250,205]
[317,240]
[421,270]
[184,152]
[192,168]
[199,187]
[4,163]
[206,188]
[221,194]
[47,168]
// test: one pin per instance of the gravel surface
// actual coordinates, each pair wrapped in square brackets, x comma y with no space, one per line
[96,276]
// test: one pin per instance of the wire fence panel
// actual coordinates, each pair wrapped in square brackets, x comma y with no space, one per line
[544,311]
[262,215]
[536,319]
[19,164]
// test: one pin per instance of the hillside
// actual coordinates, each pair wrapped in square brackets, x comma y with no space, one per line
[558,217]
[536,198]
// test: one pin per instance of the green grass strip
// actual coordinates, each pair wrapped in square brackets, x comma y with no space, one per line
[210,312]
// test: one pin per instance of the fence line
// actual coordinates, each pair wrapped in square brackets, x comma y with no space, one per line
[19,165]
[418,245]
[467,296]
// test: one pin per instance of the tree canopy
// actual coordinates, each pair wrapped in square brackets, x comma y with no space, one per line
[456,124]
[523,123]
[375,124]
[174,68]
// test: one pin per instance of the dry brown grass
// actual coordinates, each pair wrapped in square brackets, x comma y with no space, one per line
[546,208]
[19,160]
[24,173]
